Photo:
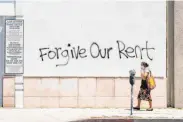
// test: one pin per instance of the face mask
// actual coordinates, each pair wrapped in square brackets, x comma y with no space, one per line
[142,67]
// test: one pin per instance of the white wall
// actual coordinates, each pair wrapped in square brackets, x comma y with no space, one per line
[7,9]
[79,23]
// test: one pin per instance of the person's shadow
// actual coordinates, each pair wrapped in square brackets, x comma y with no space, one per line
[135,110]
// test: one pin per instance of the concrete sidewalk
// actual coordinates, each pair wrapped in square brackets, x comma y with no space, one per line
[84,115]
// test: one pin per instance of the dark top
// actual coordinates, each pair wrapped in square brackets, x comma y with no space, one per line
[144,84]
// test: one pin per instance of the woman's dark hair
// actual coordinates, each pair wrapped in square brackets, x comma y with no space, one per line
[145,64]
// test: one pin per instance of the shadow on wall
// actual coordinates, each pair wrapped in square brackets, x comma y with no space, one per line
[104,120]
[129,120]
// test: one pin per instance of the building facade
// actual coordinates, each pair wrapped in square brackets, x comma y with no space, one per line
[73,55]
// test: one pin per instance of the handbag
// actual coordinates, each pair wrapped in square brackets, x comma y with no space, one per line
[151,82]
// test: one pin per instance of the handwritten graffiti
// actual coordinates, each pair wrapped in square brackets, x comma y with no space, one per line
[95,51]
[59,52]
[130,52]
[99,52]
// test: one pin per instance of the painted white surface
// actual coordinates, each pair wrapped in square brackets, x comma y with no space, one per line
[55,24]
[7,9]
[19,99]
[19,94]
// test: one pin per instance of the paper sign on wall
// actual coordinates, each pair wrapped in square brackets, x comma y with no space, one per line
[14,47]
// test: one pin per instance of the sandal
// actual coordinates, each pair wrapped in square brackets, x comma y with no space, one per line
[136,108]
[149,109]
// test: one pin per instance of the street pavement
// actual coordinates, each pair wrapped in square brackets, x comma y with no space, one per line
[89,115]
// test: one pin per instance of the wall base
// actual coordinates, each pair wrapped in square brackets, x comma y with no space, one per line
[81,93]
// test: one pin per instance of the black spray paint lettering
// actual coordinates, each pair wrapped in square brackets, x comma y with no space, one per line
[58,53]
[131,52]
[95,51]
[105,53]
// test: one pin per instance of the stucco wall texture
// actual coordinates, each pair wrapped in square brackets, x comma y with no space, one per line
[81,93]
[178,54]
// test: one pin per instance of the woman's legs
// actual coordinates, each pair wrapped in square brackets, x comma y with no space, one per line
[150,102]
[150,106]
[138,105]
[139,101]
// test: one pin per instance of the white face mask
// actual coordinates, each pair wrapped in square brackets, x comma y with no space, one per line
[142,67]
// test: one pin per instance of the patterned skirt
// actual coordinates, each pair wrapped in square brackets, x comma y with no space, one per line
[144,94]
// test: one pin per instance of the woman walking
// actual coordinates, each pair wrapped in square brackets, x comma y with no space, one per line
[145,92]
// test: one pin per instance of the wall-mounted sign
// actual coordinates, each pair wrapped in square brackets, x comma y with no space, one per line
[14,59]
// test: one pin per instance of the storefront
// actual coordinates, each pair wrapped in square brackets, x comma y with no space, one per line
[78,54]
